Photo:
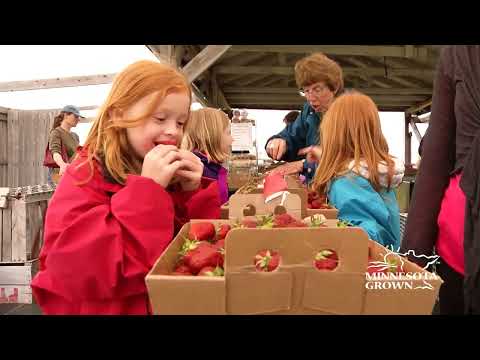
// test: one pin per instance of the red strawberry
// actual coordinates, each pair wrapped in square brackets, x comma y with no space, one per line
[202,231]
[211,271]
[205,254]
[220,244]
[182,270]
[247,223]
[286,220]
[266,260]
[223,231]
[282,220]
[326,260]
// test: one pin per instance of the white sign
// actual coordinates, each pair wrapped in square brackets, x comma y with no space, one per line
[242,136]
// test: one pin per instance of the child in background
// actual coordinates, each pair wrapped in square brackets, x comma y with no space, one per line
[356,171]
[115,210]
[208,136]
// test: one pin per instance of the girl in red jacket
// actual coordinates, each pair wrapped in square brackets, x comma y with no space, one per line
[117,206]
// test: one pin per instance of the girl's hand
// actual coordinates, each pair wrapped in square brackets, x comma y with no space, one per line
[313,153]
[191,172]
[161,163]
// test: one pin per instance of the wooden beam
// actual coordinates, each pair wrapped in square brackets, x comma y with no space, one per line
[408,141]
[218,97]
[289,71]
[415,129]
[391,99]
[368,91]
[203,60]
[419,107]
[251,79]
[407,51]
[56,82]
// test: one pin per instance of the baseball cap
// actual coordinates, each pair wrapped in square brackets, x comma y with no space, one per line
[72,109]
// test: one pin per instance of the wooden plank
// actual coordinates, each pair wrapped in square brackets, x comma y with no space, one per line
[289,90]
[1,234]
[3,153]
[12,147]
[22,115]
[15,275]
[7,235]
[19,231]
[38,233]
[419,107]
[56,82]
[203,60]
[289,71]
[406,51]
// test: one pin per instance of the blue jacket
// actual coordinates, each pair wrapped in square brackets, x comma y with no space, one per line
[358,203]
[301,133]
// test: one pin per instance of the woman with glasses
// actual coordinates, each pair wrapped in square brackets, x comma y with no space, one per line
[320,79]
[62,141]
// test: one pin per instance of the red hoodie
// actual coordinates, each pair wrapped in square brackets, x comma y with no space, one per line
[101,239]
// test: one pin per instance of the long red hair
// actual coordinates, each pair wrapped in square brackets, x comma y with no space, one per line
[107,138]
[351,130]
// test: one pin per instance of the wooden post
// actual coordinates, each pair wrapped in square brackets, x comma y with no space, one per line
[408,140]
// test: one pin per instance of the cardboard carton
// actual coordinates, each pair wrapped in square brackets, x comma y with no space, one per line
[296,287]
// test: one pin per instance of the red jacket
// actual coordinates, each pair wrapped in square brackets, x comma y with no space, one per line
[101,239]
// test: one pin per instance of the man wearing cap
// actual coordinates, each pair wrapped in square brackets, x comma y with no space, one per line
[62,142]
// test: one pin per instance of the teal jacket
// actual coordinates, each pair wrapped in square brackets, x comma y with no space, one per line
[375,212]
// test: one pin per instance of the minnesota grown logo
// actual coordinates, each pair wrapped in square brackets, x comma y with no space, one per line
[390,273]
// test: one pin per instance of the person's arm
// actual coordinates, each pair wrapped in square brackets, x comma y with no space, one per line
[438,160]
[55,146]
[295,136]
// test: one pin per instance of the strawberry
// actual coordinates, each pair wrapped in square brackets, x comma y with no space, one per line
[223,231]
[247,223]
[182,270]
[220,244]
[286,220]
[316,220]
[343,223]
[205,254]
[266,260]
[326,260]
[202,231]
[211,271]
[187,246]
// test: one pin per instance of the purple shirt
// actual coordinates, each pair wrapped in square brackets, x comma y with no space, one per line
[217,172]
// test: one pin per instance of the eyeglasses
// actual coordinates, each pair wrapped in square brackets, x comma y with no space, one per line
[315,89]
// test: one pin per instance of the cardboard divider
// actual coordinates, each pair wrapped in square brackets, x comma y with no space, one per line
[238,202]
[328,213]
[297,248]
[258,293]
